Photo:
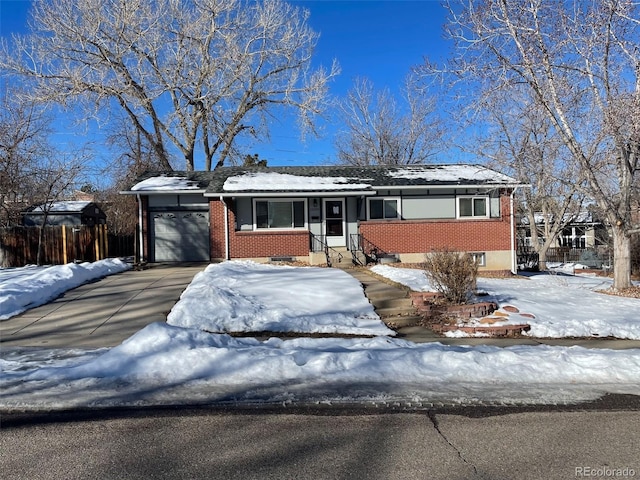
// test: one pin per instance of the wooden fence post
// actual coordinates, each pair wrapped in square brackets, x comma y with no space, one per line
[64,244]
[96,242]
[105,240]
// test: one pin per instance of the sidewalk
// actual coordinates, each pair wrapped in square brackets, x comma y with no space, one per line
[102,313]
[393,305]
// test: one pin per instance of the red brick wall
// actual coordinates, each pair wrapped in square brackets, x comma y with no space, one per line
[269,244]
[396,236]
[216,229]
[252,244]
[417,236]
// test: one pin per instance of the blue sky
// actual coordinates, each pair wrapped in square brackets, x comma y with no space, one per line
[379,39]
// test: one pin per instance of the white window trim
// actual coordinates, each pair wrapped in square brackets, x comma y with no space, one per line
[487,206]
[398,199]
[280,199]
[480,258]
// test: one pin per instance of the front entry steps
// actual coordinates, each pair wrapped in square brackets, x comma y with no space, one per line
[341,258]
[391,303]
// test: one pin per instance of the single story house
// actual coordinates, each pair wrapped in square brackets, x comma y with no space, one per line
[327,214]
[73,213]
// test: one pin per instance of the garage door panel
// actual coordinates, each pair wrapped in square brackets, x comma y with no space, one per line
[193,223]
[181,236]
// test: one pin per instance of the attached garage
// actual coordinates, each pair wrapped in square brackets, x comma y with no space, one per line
[180,236]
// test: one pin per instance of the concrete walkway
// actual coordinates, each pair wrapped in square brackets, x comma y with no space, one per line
[102,313]
[393,305]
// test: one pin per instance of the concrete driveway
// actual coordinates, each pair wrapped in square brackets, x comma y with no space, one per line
[102,313]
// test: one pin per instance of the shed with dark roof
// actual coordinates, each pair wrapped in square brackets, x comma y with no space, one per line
[72,213]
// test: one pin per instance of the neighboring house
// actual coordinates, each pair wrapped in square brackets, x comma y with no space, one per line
[584,240]
[328,214]
[66,213]
[582,232]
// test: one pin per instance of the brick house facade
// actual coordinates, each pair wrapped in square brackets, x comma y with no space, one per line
[312,214]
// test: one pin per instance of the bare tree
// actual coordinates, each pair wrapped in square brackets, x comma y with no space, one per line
[378,131]
[581,65]
[521,141]
[32,171]
[135,157]
[55,176]
[24,131]
[189,74]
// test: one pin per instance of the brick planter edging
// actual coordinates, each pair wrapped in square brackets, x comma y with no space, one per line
[425,302]
[501,331]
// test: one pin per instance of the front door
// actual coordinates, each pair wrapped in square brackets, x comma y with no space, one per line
[334,222]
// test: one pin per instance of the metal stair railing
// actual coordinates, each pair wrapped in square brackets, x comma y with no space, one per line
[319,244]
[371,252]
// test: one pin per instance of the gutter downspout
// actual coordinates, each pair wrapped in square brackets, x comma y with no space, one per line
[514,266]
[226,228]
[140,236]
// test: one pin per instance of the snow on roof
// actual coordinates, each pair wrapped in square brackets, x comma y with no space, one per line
[580,217]
[163,183]
[272,181]
[452,173]
[66,206]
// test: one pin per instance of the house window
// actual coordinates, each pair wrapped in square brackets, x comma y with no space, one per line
[573,237]
[279,214]
[469,207]
[384,208]
[479,258]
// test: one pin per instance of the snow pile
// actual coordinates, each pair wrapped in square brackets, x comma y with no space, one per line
[415,279]
[244,296]
[25,288]
[273,181]
[563,305]
[567,268]
[163,364]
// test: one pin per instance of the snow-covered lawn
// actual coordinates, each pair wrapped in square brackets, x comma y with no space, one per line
[249,297]
[32,286]
[562,304]
[181,363]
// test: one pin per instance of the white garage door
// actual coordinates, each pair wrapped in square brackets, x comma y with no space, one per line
[180,236]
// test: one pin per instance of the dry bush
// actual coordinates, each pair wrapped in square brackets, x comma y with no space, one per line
[453,274]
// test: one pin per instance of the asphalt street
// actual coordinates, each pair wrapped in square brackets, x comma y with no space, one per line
[321,444]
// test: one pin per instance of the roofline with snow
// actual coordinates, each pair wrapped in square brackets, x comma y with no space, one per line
[163,192]
[212,185]
[294,193]
[450,186]
[320,193]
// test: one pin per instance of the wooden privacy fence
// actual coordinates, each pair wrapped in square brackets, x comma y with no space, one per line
[62,244]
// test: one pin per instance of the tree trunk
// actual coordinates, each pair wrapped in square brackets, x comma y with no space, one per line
[542,257]
[621,258]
